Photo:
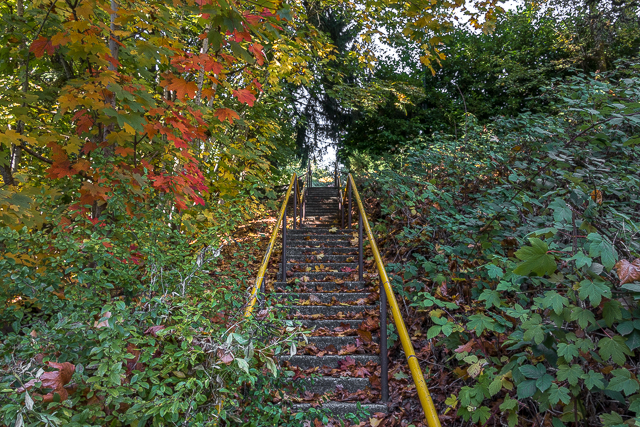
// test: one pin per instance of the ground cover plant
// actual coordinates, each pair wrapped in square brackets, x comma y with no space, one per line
[516,247]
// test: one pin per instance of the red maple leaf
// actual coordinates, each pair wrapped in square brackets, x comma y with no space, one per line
[256,49]
[226,114]
[124,151]
[40,46]
[245,95]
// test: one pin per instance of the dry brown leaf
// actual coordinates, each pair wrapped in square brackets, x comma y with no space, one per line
[104,323]
[365,335]
[628,271]
[374,422]
[55,380]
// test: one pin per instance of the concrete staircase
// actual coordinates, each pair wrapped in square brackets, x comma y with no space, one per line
[339,367]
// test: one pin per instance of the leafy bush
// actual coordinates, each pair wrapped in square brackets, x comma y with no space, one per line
[520,241]
[137,319]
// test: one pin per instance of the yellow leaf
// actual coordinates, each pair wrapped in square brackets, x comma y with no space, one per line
[129,129]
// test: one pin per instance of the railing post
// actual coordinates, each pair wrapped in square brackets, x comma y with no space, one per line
[295,202]
[384,357]
[349,191]
[284,246]
[360,249]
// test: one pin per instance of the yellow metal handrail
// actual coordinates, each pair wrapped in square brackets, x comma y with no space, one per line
[265,261]
[414,366]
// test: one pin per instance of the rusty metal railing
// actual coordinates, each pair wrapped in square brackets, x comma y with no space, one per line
[386,293]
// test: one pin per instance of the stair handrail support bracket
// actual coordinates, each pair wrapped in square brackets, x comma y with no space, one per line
[416,372]
[253,298]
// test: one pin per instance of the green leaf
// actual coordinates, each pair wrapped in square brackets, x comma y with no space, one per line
[633,341]
[581,260]
[242,364]
[622,381]
[559,394]
[593,379]
[491,298]
[600,246]
[533,372]
[594,290]
[480,322]
[508,403]
[568,351]
[535,259]
[584,317]
[544,382]
[433,332]
[526,389]
[480,415]
[614,348]
[612,311]
[612,420]
[495,386]
[571,374]
[555,301]
[625,328]
[494,271]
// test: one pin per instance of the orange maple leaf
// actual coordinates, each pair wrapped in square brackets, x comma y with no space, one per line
[226,114]
[40,46]
[124,151]
[245,95]
[180,86]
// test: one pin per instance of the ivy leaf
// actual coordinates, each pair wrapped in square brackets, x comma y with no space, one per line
[559,394]
[494,271]
[593,379]
[612,420]
[612,311]
[614,348]
[594,290]
[571,374]
[556,301]
[535,259]
[622,381]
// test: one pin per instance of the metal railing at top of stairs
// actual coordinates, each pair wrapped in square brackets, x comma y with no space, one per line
[386,294]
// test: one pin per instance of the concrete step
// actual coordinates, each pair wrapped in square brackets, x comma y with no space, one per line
[325,286]
[330,361]
[319,243]
[330,310]
[294,237]
[341,409]
[333,266]
[321,230]
[327,259]
[323,297]
[319,276]
[328,251]
[327,384]
[330,324]
[337,342]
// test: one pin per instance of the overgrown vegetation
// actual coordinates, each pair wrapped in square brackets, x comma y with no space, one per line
[519,239]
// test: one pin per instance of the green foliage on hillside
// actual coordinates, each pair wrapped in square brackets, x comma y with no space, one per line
[520,241]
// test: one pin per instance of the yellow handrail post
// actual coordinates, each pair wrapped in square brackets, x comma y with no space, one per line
[416,373]
[265,260]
